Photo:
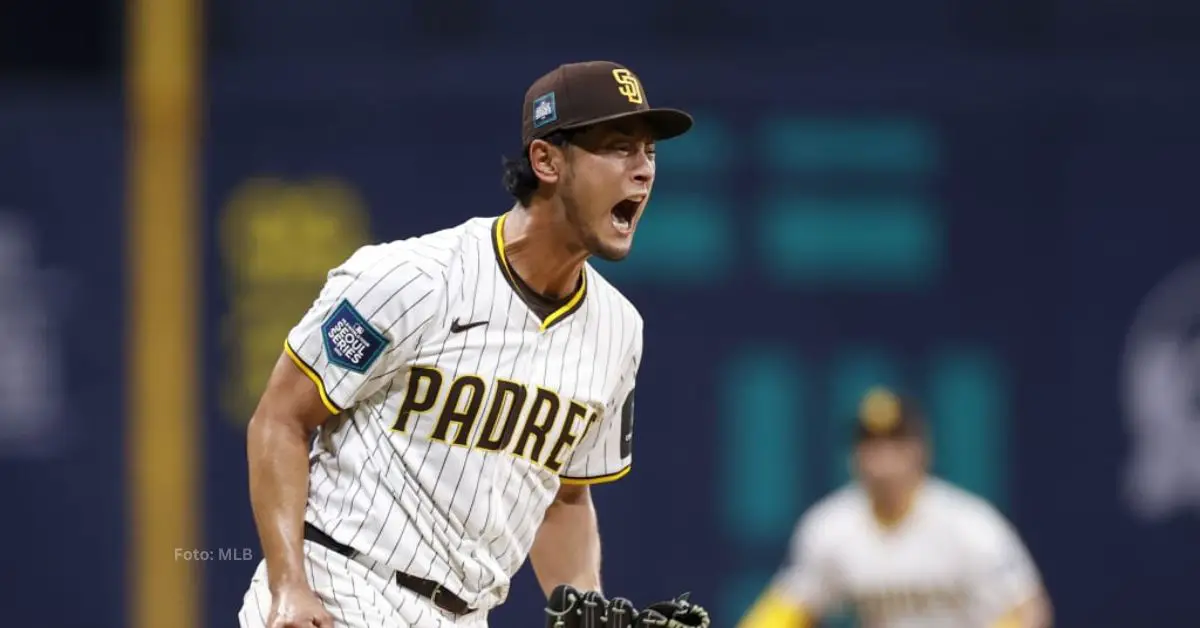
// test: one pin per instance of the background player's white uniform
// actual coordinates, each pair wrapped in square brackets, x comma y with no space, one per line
[953,561]
[461,412]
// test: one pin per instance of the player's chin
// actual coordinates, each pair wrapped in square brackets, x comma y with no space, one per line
[611,242]
[613,249]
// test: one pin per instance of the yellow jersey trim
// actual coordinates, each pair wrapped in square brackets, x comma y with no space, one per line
[571,305]
[316,379]
[600,479]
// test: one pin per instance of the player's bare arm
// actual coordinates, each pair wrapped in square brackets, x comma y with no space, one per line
[277,449]
[566,549]
[1038,612]
[803,588]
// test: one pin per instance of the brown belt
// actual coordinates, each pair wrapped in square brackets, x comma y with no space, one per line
[441,597]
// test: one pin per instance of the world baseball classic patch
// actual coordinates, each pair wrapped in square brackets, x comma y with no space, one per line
[350,341]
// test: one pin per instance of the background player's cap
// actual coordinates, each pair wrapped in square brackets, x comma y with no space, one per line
[885,414]
[580,94]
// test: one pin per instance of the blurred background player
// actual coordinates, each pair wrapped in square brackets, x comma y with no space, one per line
[901,547]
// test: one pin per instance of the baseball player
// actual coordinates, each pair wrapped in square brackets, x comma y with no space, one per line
[901,548]
[463,389]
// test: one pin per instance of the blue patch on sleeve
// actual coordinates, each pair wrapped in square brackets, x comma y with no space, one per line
[350,341]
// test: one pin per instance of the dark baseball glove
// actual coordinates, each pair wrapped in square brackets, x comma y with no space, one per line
[676,613]
[570,608]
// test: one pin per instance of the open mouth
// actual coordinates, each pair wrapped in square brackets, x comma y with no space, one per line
[625,212]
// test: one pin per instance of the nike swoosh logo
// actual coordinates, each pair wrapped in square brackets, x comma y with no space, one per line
[456,327]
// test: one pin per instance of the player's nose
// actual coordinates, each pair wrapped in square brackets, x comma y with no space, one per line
[642,168]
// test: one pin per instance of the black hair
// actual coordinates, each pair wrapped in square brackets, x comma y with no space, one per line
[519,178]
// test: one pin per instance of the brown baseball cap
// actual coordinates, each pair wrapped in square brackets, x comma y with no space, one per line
[883,414]
[575,95]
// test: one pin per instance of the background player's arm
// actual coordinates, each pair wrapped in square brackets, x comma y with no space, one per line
[566,549]
[774,609]
[1007,582]
[1035,612]
[803,589]
[1031,611]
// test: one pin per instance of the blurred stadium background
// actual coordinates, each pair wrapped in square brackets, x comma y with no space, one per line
[991,204]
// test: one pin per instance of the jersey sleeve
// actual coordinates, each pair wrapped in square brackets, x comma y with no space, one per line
[364,324]
[606,452]
[808,580]
[1005,575]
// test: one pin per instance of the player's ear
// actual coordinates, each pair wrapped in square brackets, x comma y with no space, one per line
[545,161]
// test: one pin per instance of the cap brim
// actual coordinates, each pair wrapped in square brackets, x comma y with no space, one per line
[910,428]
[664,123]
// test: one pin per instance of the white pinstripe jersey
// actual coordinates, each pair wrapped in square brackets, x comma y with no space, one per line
[460,411]
[953,561]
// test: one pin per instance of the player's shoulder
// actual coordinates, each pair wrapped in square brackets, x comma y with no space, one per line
[971,515]
[836,513]
[953,498]
[607,295]
[424,258]
[438,250]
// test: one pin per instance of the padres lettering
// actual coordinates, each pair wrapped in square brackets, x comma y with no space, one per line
[546,417]
[890,604]
[629,86]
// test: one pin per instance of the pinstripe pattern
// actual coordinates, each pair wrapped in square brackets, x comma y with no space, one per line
[458,514]
[357,593]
